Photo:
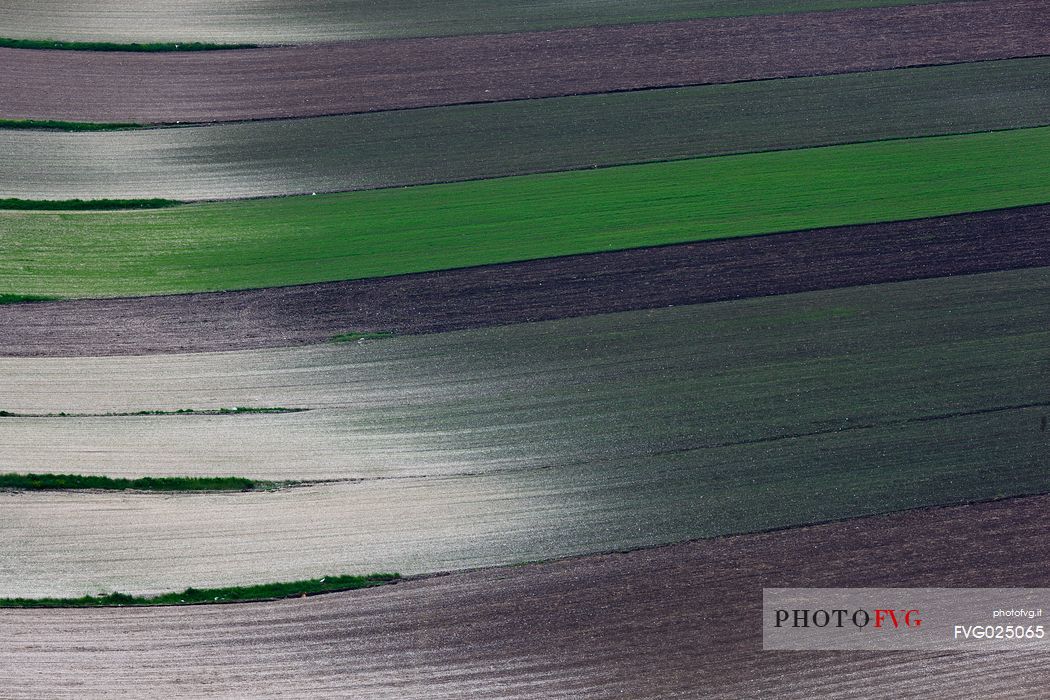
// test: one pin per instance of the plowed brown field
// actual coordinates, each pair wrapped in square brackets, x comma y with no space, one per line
[393,74]
[678,621]
[535,290]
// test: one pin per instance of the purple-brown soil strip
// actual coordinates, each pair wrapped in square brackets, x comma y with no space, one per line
[395,74]
[536,290]
[677,621]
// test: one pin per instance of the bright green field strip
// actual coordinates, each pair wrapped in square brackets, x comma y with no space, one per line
[150,21]
[386,232]
[410,147]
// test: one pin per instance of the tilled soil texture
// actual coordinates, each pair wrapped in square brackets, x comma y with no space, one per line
[441,144]
[394,74]
[533,291]
[287,21]
[555,394]
[531,396]
[672,622]
[536,441]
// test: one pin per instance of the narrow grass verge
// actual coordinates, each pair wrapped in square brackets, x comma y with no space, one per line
[67,482]
[378,233]
[85,204]
[199,596]
[24,298]
[352,337]
[56,125]
[157,47]
[178,412]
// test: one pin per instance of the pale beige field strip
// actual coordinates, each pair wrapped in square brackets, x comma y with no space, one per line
[527,442]
[619,386]
[673,622]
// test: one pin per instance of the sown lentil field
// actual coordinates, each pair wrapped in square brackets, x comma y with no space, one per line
[676,300]
[389,149]
[312,80]
[290,21]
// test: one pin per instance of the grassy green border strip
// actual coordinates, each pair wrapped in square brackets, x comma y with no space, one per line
[158,47]
[24,299]
[77,482]
[201,596]
[57,125]
[14,204]
[238,410]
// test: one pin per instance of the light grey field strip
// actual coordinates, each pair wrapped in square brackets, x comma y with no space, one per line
[365,151]
[534,441]
[577,613]
[294,21]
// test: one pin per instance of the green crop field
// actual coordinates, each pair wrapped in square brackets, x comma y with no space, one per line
[410,147]
[386,232]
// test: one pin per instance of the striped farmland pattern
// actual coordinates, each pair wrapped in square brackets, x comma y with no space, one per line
[753,294]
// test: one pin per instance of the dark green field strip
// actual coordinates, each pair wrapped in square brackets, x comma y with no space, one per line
[199,596]
[367,76]
[24,298]
[294,21]
[16,204]
[68,482]
[411,147]
[50,44]
[238,410]
[292,240]
[56,125]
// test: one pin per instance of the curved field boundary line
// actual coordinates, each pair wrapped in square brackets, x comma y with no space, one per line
[396,74]
[272,242]
[293,21]
[442,144]
[17,204]
[688,609]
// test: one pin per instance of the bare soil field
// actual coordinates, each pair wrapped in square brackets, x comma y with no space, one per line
[533,441]
[672,622]
[443,144]
[297,21]
[68,544]
[627,386]
[395,74]
[532,291]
